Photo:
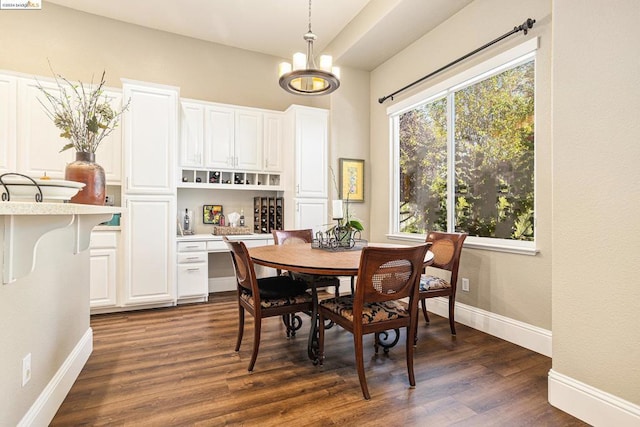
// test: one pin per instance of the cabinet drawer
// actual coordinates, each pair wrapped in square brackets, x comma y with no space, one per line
[191,246]
[192,280]
[103,239]
[192,257]
[216,246]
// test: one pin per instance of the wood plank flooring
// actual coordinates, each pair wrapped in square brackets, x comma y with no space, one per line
[176,367]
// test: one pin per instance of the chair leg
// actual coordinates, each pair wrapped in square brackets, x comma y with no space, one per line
[423,303]
[357,343]
[452,322]
[256,342]
[240,326]
[320,339]
[353,285]
[411,338]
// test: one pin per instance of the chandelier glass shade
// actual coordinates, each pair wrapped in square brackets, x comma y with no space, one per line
[304,78]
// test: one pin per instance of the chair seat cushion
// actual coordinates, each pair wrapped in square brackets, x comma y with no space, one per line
[371,312]
[280,286]
[277,302]
[431,283]
[279,291]
[317,280]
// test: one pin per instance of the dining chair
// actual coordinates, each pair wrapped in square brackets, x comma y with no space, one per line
[386,276]
[446,248]
[284,237]
[264,297]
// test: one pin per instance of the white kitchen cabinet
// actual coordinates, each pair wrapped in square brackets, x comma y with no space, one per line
[311,152]
[103,279]
[39,141]
[150,128]
[109,152]
[149,229]
[233,138]
[8,106]
[219,137]
[193,273]
[273,124]
[311,213]
[248,139]
[192,134]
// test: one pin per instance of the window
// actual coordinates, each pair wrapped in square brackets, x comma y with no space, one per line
[463,155]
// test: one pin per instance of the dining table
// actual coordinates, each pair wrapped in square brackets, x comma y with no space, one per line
[306,258]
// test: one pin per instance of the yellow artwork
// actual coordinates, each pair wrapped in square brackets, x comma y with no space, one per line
[352,180]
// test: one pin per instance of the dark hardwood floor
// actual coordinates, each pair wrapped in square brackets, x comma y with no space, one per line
[176,367]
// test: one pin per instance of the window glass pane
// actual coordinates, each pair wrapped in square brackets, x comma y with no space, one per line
[423,168]
[494,155]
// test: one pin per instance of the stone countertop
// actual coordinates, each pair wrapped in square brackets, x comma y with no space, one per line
[194,237]
[44,208]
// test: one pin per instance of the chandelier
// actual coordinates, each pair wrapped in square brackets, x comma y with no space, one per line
[305,78]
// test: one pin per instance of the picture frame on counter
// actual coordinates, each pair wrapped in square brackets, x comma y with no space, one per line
[211,214]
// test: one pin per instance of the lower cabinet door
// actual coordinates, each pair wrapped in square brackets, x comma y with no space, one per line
[149,250]
[193,280]
[103,280]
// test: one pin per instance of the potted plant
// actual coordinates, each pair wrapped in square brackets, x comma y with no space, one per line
[85,118]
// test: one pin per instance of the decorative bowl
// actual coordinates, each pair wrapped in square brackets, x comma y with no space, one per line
[22,189]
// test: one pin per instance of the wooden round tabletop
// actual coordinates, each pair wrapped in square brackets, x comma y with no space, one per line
[302,258]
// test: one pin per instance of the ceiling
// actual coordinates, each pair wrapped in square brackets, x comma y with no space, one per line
[358,33]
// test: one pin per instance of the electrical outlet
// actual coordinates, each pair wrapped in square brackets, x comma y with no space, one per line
[465,284]
[26,369]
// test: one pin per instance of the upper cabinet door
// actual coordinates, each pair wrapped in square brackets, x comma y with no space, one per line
[248,140]
[150,129]
[7,123]
[273,137]
[192,134]
[39,140]
[311,146]
[219,137]
[109,152]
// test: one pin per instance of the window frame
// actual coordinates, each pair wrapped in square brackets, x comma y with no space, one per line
[510,58]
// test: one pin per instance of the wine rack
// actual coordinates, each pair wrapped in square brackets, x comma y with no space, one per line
[268,214]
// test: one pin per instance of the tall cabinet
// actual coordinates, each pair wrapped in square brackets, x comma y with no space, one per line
[150,128]
[309,128]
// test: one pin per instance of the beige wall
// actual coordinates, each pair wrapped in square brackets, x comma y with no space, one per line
[80,45]
[46,314]
[516,286]
[596,197]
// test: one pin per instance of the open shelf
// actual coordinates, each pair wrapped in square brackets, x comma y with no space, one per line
[230,180]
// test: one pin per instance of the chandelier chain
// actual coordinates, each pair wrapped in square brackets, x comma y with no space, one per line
[309,15]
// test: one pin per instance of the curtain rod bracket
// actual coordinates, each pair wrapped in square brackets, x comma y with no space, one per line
[525,27]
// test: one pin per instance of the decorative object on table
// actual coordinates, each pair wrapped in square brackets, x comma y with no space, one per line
[85,118]
[220,230]
[351,180]
[306,78]
[211,214]
[15,186]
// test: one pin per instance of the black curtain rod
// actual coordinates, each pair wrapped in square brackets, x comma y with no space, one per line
[528,24]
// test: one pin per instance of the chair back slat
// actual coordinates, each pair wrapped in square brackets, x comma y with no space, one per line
[388,273]
[446,249]
[245,272]
[285,237]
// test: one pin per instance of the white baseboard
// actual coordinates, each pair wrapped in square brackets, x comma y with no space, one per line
[589,404]
[47,404]
[514,331]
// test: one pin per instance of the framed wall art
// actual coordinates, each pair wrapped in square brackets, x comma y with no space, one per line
[211,214]
[352,180]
